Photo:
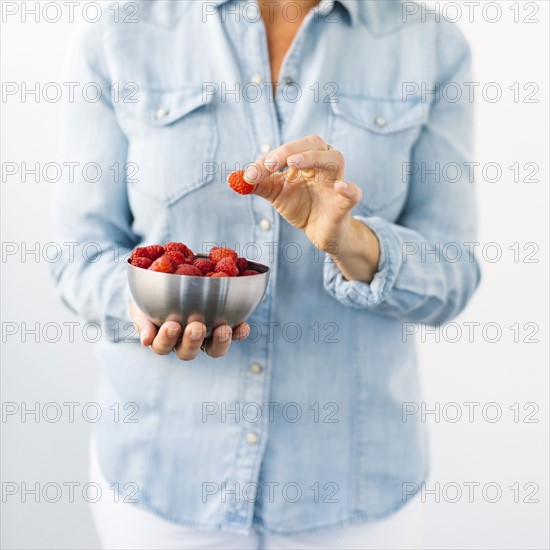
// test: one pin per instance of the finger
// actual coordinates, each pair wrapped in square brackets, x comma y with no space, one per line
[190,344]
[308,163]
[241,332]
[144,327]
[219,342]
[271,186]
[276,160]
[167,338]
[348,195]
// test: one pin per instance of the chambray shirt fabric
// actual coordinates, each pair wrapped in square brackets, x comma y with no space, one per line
[300,427]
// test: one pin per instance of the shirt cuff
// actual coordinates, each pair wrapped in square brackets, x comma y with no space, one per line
[359,294]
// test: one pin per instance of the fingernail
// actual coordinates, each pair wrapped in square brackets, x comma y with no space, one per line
[271,163]
[173,332]
[251,174]
[224,337]
[343,185]
[197,334]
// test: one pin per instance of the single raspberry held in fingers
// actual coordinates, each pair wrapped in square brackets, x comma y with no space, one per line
[242,264]
[144,263]
[218,275]
[179,247]
[163,265]
[204,265]
[227,265]
[176,257]
[217,253]
[249,272]
[152,252]
[238,184]
[185,269]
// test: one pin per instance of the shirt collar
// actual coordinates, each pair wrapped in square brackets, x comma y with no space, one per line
[351,6]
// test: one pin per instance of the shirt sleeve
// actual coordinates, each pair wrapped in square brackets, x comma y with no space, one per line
[428,270]
[91,215]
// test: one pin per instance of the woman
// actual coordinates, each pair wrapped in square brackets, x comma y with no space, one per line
[293,437]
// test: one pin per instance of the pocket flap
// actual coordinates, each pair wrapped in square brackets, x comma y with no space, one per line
[381,116]
[165,107]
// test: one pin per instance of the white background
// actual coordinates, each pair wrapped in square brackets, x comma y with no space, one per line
[504,372]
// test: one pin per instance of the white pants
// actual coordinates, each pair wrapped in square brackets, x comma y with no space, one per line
[125,526]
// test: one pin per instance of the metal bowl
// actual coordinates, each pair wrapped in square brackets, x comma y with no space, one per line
[185,298]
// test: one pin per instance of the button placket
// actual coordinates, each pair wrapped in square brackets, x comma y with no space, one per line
[290,66]
[255,385]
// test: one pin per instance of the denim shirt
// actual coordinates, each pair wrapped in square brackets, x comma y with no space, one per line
[300,427]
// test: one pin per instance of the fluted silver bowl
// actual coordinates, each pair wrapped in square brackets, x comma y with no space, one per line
[185,298]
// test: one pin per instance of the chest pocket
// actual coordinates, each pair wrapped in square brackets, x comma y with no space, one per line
[376,138]
[172,139]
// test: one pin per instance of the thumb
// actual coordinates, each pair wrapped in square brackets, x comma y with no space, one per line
[268,185]
[144,327]
[348,195]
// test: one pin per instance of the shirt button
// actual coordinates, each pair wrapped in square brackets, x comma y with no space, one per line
[265,148]
[252,438]
[265,225]
[257,79]
[289,81]
[161,112]
[256,368]
[380,121]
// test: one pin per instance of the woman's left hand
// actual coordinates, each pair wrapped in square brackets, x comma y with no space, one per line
[313,196]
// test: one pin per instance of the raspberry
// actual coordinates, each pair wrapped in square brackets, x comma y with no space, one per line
[242,264]
[249,272]
[185,269]
[238,184]
[217,253]
[152,252]
[144,263]
[178,247]
[219,274]
[227,265]
[175,257]
[209,274]
[162,264]
[204,265]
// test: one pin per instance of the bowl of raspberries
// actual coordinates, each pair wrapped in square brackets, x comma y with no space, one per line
[171,283]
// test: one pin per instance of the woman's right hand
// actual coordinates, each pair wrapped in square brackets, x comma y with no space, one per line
[168,337]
